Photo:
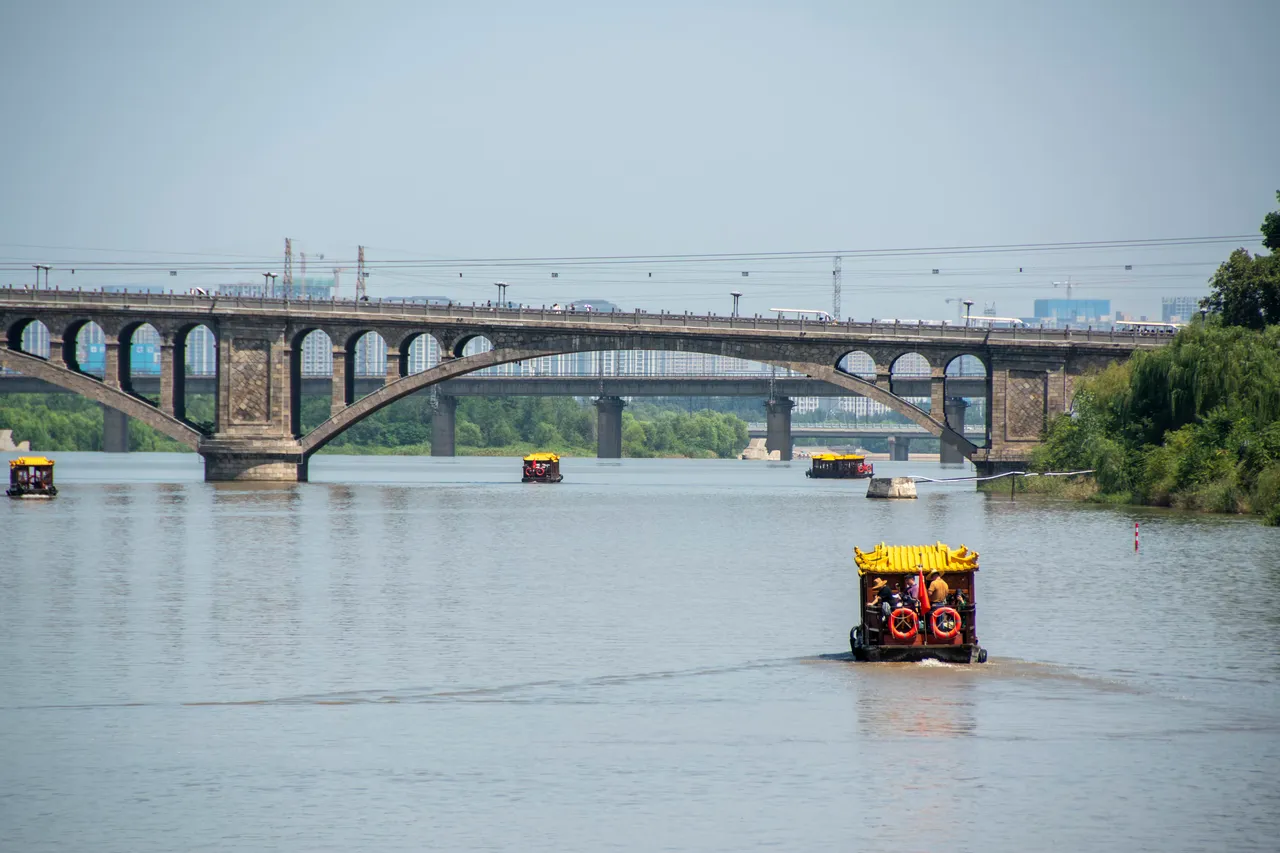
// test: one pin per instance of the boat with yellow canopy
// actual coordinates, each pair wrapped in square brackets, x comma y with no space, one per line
[917,603]
[541,468]
[31,477]
[844,466]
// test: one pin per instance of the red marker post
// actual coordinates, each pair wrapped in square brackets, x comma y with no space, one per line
[1135,537]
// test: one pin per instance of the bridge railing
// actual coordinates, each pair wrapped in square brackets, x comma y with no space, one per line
[396,309]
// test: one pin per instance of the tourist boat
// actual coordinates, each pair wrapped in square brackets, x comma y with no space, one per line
[541,468]
[893,629]
[849,466]
[31,477]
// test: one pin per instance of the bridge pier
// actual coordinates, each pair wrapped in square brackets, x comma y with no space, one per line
[778,426]
[948,453]
[609,427]
[115,430]
[444,421]
[253,459]
[899,448]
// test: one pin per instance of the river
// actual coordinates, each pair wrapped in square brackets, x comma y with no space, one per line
[410,654]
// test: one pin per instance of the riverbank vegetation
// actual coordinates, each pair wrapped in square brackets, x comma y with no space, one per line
[496,426]
[1195,424]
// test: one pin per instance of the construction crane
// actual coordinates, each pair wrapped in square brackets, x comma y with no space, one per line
[960,302]
[287,278]
[1066,284]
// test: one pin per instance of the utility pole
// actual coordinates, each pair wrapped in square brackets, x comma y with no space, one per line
[361,275]
[835,286]
[735,294]
[288,268]
[302,274]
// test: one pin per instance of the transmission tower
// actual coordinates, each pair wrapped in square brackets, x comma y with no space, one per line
[835,287]
[287,278]
[302,271]
[361,275]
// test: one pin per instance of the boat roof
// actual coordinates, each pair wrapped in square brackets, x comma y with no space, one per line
[542,457]
[906,559]
[29,460]
[832,457]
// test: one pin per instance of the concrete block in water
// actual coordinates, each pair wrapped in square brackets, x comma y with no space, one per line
[891,487]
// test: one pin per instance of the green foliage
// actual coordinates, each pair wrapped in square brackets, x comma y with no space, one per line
[1271,228]
[1195,424]
[704,434]
[53,422]
[498,424]
[1246,289]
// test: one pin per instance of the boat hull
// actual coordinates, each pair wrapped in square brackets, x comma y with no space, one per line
[541,479]
[911,654]
[32,496]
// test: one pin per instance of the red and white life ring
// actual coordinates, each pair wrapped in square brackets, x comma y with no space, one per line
[903,623]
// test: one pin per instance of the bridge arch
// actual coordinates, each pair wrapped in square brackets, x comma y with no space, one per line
[460,366]
[858,363]
[965,367]
[93,389]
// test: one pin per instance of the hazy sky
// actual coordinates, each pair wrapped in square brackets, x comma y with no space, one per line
[483,130]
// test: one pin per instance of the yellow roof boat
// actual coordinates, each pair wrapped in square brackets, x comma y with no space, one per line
[22,461]
[904,559]
[832,457]
[542,457]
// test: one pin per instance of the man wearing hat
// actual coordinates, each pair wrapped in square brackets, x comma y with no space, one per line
[938,588]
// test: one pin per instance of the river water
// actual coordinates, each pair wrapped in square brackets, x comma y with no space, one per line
[410,654]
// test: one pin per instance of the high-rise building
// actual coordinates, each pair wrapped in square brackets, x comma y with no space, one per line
[1073,310]
[1179,309]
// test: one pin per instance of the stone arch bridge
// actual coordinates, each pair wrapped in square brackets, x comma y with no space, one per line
[256,435]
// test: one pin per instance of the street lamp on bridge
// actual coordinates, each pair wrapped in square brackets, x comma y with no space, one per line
[502,292]
[968,304]
[735,294]
[269,283]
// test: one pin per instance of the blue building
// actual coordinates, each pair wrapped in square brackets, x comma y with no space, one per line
[1073,310]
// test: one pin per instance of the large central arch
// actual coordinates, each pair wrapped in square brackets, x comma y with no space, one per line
[455,367]
[92,388]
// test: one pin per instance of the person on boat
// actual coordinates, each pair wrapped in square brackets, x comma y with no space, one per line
[873,592]
[938,589]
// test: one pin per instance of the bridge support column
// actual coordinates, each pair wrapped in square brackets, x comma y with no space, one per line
[948,453]
[56,348]
[111,363]
[167,378]
[343,380]
[253,459]
[115,430]
[609,427]
[778,427]
[443,425]
[937,393]
[899,448]
[395,365]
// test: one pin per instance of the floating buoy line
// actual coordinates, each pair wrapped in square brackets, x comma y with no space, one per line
[920,479]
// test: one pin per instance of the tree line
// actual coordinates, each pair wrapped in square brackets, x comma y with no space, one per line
[1194,424]
[490,425]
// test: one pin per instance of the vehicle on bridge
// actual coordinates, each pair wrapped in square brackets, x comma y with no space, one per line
[986,321]
[31,477]
[1147,328]
[803,314]
[541,468]
[917,603]
[836,466]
